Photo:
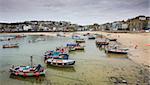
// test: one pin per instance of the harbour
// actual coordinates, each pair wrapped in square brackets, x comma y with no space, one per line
[93,66]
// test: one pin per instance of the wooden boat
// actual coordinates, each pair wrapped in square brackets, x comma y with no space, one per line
[60,63]
[91,37]
[27,71]
[72,44]
[54,55]
[60,34]
[117,50]
[71,49]
[75,37]
[80,41]
[20,36]
[102,41]
[79,48]
[75,46]
[112,39]
[11,46]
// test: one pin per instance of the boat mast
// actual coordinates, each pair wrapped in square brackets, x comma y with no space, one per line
[31,60]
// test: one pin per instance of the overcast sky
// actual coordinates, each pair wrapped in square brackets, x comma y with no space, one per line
[77,11]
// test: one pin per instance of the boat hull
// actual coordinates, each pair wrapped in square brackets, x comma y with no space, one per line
[10,46]
[27,74]
[117,52]
[60,64]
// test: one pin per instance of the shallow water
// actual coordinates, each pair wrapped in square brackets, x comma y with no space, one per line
[93,66]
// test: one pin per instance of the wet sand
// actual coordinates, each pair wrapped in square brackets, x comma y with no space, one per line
[136,42]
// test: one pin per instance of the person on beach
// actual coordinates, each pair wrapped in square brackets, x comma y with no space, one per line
[136,46]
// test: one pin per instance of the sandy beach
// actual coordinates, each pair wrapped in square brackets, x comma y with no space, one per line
[140,54]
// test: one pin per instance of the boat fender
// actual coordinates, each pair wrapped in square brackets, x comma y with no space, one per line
[37,74]
[56,63]
[63,64]
[16,73]
[24,74]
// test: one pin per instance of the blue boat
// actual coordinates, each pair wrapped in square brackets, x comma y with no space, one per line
[72,44]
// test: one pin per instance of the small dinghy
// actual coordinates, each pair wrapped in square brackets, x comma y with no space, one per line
[91,37]
[11,46]
[60,34]
[27,71]
[102,41]
[112,39]
[79,48]
[75,46]
[80,41]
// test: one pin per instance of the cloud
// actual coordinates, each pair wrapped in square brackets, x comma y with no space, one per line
[76,11]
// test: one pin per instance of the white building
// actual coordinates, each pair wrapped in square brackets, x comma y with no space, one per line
[119,25]
[124,26]
[27,27]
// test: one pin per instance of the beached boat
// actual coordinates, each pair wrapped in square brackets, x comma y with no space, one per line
[80,41]
[79,48]
[11,46]
[102,41]
[117,50]
[54,54]
[91,37]
[60,34]
[6,38]
[75,46]
[75,37]
[72,44]
[27,71]
[60,63]
[20,36]
[112,39]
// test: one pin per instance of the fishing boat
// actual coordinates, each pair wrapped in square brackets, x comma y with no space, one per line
[112,39]
[102,41]
[11,46]
[61,61]
[53,54]
[75,46]
[75,37]
[20,36]
[80,41]
[79,48]
[27,71]
[91,37]
[117,50]
[60,34]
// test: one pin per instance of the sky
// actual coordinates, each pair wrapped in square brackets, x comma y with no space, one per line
[81,12]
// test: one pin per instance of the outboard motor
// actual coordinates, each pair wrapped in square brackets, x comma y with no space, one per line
[38,67]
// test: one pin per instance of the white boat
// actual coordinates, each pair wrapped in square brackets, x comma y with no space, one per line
[60,62]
